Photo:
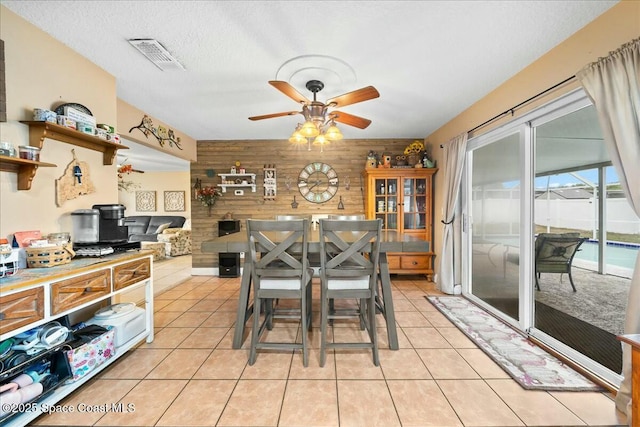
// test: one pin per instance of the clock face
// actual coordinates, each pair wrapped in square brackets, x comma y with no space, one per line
[318,182]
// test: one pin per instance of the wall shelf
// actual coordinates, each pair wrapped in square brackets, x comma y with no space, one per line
[38,131]
[251,184]
[26,169]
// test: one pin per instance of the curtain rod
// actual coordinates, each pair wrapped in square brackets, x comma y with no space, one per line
[511,110]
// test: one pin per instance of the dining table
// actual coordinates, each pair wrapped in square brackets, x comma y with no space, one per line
[391,242]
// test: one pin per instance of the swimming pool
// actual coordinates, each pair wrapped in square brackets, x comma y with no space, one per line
[618,254]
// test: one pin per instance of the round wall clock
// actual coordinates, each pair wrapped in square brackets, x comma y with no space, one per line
[318,182]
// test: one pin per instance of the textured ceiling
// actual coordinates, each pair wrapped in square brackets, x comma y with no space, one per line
[429,60]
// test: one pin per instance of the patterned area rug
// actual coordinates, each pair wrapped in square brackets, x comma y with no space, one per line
[531,366]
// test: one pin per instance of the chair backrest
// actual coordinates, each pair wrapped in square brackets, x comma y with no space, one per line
[350,249]
[540,237]
[357,217]
[288,217]
[555,249]
[278,249]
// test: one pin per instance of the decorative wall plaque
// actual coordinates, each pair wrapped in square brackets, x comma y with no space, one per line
[74,182]
[174,201]
[146,201]
[270,183]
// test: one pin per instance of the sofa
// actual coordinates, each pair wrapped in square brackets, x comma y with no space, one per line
[145,228]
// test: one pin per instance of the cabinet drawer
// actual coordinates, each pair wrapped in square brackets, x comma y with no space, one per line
[394,262]
[21,308]
[71,293]
[130,273]
[414,262]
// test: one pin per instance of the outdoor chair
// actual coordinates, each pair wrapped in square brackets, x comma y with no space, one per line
[279,270]
[349,260]
[554,254]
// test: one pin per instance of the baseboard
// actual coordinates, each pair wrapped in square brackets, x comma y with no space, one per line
[214,271]
[205,271]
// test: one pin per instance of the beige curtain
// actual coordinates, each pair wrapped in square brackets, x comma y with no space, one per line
[454,152]
[613,84]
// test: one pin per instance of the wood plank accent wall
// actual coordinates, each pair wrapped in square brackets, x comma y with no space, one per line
[347,157]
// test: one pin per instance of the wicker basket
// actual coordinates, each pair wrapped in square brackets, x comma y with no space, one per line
[49,256]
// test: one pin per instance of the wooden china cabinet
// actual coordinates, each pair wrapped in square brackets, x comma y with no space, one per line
[403,199]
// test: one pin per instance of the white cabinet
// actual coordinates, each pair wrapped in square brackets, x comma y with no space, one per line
[34,297]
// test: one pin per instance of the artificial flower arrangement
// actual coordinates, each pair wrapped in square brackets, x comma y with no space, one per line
[416,147]
[208,195]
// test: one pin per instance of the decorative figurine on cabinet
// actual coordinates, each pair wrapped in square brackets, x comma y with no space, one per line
[372,160]
[386,161]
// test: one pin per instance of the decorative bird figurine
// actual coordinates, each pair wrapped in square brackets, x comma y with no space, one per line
[77,172]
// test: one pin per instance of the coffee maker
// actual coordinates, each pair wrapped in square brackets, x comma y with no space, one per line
[102,224]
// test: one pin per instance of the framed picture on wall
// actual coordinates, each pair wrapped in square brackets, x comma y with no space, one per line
[174,201]
[146,201]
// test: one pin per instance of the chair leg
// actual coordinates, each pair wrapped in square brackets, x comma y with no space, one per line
[371,312]
[363,321]
[537,275]
[303,327]
[324,308]
[255,331]
[268,310]
[571,281]
[310,306]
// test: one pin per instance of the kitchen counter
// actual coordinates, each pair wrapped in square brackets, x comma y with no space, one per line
[30,276]
[38,296]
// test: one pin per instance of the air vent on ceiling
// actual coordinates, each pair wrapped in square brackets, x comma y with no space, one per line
[157,54]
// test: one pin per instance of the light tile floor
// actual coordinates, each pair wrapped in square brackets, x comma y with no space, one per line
[190,376]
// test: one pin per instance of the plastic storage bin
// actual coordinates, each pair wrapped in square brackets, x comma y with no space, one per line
[126,319]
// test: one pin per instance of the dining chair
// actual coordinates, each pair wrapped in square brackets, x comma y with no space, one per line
[279,271]
[288,217]
[356,217]
[349,259]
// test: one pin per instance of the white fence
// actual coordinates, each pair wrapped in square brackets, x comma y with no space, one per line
[582,214]
[500,215]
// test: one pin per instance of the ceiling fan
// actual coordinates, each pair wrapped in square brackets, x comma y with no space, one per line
[318,112]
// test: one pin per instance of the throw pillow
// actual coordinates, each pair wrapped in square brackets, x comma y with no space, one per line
[162,227]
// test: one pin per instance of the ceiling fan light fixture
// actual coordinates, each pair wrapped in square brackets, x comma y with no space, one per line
[296,137]
[333,133]
[309,129]
[319,119]
[321,140]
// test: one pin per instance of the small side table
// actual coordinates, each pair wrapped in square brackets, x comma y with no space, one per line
[158,248]
[634,341]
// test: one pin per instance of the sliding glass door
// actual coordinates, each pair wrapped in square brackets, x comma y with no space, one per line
[495,223]
[546,172]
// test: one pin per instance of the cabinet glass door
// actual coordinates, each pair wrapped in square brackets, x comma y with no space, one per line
[414,203]
[386,206]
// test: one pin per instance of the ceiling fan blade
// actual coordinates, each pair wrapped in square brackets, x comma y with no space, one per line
[360,95]
[290,91]
[271,116]
[350,119]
